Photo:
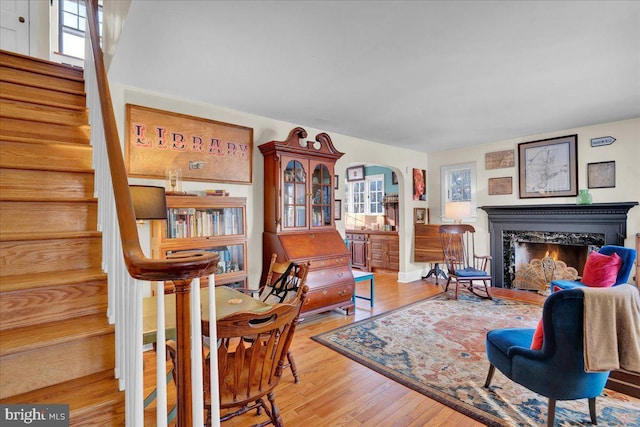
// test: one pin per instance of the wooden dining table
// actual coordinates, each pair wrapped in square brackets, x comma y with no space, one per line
[228,301]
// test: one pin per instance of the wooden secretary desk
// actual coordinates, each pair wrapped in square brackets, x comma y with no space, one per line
[298,217]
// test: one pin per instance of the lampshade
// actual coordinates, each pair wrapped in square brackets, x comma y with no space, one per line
[457,210]
[149,202]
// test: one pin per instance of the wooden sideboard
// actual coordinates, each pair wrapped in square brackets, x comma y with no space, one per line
[371,249]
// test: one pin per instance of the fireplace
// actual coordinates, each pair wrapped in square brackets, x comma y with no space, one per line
[567,228]
[534,259]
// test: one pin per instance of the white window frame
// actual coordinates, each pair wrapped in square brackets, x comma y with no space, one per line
[445,190]
[54,35]
[367,205]
[351,204]
[380,179]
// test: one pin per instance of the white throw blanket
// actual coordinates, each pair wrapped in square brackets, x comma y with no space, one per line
[612,328]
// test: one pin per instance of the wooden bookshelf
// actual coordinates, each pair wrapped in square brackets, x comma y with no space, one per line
[210,223]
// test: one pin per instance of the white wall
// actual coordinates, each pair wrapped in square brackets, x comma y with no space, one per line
[264,130]
[625,151]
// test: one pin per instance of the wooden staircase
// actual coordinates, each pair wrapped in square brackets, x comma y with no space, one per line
[56,345]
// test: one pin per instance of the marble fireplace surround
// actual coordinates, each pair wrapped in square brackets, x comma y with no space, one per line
[604,222]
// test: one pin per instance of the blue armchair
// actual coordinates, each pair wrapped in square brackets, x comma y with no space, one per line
[557,370]
[627,255]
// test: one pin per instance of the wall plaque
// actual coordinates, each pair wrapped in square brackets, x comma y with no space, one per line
[499,159]
[205,150]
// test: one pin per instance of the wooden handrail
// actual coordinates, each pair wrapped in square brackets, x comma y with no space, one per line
[198,264]
[179,269]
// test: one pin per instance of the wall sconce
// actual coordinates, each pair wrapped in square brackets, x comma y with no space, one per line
[457,210]
[149,202]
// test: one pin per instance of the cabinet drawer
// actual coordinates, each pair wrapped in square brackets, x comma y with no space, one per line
[377,245]
[329,263]
[329,295]
[377,256]
[361,237]
[329,276]
[383,238]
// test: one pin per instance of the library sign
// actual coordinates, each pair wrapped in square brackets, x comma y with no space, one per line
[205,150]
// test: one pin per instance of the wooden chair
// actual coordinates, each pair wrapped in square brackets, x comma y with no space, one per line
[251,356]
[462,262]
[281,284]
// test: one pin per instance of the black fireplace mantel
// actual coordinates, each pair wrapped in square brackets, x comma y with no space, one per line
[609,219]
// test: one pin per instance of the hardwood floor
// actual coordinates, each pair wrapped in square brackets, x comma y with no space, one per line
[336,391]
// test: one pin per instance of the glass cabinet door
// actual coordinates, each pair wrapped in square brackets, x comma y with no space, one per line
[204,222]
[294,198]
[321,200]
[231,257]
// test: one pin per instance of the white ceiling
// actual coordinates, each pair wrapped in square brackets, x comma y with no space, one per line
[424,75]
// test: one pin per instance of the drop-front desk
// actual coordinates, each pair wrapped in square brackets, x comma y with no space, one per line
[427,248]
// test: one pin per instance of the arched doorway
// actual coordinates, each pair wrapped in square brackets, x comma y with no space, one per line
[372,215]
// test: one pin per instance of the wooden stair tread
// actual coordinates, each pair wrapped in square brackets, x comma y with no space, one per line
[41,66]
[41,96]
[88,393]
[20,237]
[53,333]
[43,140]
[44,280]
[26,198]
[24,155]
[38,132]
[41,80]
[42,113]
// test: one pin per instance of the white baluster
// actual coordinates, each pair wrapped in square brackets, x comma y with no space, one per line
[196,354]
[213,354]
[161,363]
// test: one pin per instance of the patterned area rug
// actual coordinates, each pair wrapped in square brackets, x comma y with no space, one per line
[437,347]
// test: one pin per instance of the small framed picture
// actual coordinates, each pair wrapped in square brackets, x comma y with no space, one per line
[335,185]
[601,175]
[394,178]
[355,173]
[337,210]
[502,185]
[419,215]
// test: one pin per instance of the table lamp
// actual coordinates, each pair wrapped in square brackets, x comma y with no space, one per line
[457,210]
[149,202]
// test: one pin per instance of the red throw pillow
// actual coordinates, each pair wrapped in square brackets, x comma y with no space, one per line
[601,271]
[538,337]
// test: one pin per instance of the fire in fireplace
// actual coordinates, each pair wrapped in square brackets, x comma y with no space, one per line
[569,250]
[563,262]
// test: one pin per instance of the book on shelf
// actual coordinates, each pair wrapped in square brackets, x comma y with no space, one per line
[192,222]
[216,193]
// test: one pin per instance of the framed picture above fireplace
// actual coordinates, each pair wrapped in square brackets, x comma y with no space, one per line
[548,168]
[601,175]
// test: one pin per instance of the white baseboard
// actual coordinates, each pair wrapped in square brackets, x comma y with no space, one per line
[410,276]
